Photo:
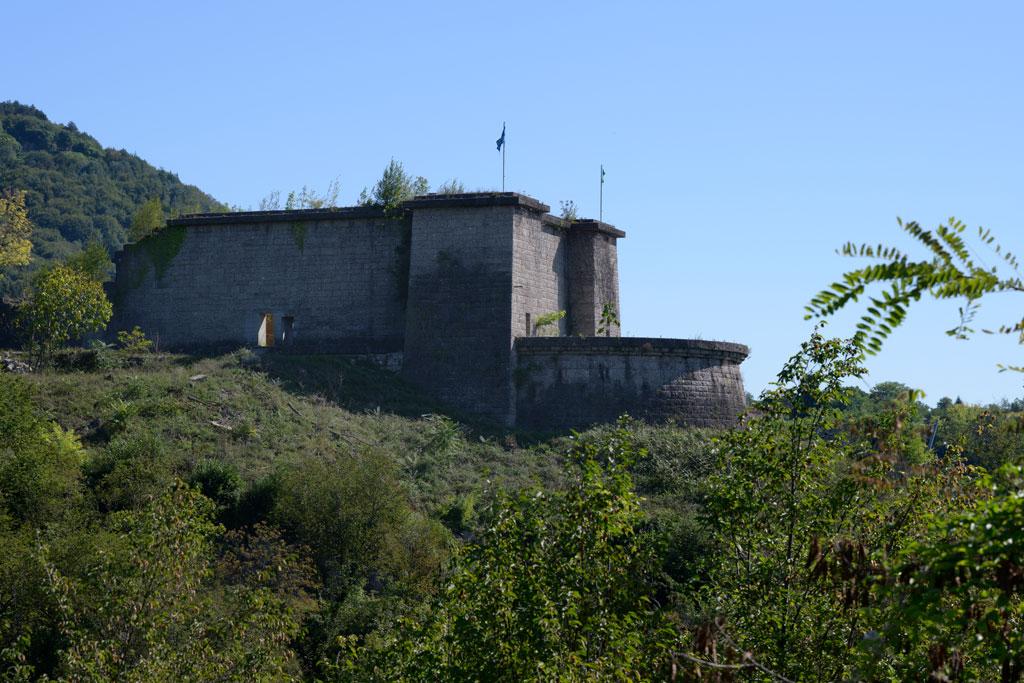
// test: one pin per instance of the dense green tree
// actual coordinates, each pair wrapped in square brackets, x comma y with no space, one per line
[148,219]
[350,508]
[959,594]
[558,587]
[40,463]
[394,187]
[152,618]
[40,493]
[793,506]
[66,305]
[93,261]
[988,438]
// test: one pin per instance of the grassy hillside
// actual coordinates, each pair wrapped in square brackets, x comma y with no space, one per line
[77,190]
[258,414]
[354,485]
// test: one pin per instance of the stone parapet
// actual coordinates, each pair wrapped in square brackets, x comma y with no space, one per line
[282,216]
[475,199]
[571,382]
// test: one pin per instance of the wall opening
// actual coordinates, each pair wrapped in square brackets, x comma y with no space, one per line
[266,335]
[529,330]
[286,329]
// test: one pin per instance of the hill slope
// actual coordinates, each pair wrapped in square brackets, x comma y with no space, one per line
[77,190]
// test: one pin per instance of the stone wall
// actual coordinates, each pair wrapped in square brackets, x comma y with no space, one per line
[540,283]
[573,382]
[594,273]
[333,280]
[458,333]
[452,294]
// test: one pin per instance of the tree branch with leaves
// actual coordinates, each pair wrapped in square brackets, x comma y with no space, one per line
[952,269]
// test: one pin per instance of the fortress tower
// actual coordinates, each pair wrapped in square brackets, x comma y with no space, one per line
[451,292]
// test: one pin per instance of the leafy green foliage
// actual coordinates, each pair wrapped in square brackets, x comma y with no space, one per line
[961,593]
[134,341]
[352,511]
[794,508]
[93,261]
[151,620]
[40,492]
[147,220]
[548,320]
[609,320]
[65,306]
[952,271]
[988,438]
[15,228]
[132,469]
[569,210]
[394,187]
[40,463]
[557,588]
[306,198]
[453,186]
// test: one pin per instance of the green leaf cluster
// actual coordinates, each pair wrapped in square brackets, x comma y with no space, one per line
[558,587]
[149,618]
[15,229]
[952,270]
[394,187]
[961,592]
[803,511]
[609,321]
[548,320]
[66,305]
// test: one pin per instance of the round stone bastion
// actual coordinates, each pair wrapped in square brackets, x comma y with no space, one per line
[571,382]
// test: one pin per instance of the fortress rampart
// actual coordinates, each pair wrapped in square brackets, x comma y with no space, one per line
[568,381]
[455,284]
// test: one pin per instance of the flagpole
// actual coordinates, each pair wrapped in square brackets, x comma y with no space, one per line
[600,211]
[503,146]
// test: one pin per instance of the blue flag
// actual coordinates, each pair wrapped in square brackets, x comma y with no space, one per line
[501,140]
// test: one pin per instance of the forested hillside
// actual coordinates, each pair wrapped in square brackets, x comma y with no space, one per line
[77,190]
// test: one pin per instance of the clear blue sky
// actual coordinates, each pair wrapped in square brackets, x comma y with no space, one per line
[743,141]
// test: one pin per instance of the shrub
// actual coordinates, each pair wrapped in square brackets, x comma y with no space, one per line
[219,482]
[151,617]
[134,341]
[40,463]
[129,472]
[345,507]
[558,587]
[66,305]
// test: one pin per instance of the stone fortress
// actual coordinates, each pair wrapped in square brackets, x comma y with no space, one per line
[449,294]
